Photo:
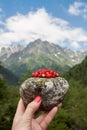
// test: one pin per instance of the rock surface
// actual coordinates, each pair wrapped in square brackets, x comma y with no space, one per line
[52,91]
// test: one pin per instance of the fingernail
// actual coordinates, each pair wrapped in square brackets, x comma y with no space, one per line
[37,99]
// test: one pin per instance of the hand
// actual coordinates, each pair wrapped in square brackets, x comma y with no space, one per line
[24,119]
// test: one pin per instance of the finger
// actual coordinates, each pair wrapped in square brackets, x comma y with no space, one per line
[41,117]
[32,108]
[20,108]
[44,124]
[19,112]
[59,105]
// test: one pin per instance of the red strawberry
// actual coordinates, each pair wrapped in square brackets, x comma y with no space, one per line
[45,73]
[57,75]
[48,76]
[33,74]
[36,74]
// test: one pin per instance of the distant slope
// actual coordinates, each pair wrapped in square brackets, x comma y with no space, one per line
[9,77]
[79,72]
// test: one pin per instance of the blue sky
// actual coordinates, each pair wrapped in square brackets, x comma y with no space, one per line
[63,22]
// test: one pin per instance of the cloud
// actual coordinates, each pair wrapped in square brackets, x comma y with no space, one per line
[40,25]
[75,44]
[78,8]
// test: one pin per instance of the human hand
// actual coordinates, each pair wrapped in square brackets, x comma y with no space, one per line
[24,118]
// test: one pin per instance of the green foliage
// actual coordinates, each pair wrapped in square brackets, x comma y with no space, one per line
[28,75]
[75,103]
[8,102]
[2,88]
[62,121]
[78,73]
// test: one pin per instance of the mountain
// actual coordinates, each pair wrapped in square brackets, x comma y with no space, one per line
[75,56]
[6,52]
[78,72]
[41,54]
[8,76]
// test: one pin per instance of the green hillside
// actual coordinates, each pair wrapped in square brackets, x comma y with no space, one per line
[76,100]
[8,76]
[79,73]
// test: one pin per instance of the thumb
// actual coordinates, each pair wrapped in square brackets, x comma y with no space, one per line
[31,109]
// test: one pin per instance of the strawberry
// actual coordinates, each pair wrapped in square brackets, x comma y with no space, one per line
[48,75]
[33,74]
[45,73]
[57,75]
[36,74]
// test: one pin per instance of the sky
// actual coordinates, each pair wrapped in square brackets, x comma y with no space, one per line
[62,22]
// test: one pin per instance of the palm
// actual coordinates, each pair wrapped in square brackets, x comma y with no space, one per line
[36,125]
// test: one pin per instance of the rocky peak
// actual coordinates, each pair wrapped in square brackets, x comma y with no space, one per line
[11,50]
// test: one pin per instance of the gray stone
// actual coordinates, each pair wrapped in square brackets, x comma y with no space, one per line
[51,90]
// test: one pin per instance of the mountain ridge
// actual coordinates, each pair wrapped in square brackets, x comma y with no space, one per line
[41,54]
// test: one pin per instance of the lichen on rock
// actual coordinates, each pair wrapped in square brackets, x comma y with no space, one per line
[52,91]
